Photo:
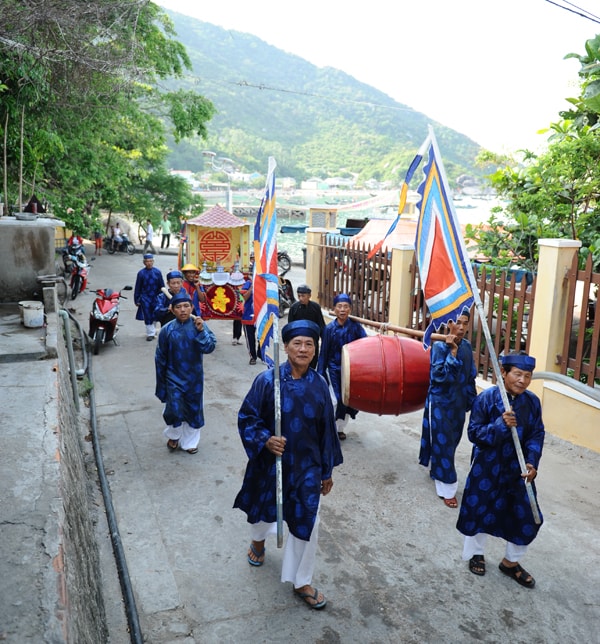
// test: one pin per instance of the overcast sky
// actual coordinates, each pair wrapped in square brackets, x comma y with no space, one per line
[494,71]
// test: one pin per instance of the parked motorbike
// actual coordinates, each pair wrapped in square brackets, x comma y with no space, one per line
[124,246]
[286,295]
[76,265]
[284,261]
[104,316]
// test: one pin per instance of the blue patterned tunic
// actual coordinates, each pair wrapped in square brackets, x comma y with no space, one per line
[179,371]
[495,499]
[335,336]
[450,395]
[312,449]
[148,283]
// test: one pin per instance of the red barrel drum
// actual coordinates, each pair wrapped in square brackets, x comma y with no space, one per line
[385,374]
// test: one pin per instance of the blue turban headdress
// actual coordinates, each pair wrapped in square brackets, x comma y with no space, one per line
[148,256]
[300,327]
[174,275]
[182,296]
[342,297]
[520,360]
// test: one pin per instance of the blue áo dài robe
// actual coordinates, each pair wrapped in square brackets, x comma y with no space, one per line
[179,371]
[450,395]
[312,449]
[495,499]
[334,337]
[148,283]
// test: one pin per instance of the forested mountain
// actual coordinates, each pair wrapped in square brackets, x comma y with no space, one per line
[314,121]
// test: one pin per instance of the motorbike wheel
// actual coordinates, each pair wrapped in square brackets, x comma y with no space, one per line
[111,249]
[284,263]
[75,287]
[98,340]
[130,248]
[284,305]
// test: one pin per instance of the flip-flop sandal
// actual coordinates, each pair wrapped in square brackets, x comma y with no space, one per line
[258,555]
[477,565]
[342,436]
[194,450]
[306,596]
[450,503]
[519,574]
[172,444]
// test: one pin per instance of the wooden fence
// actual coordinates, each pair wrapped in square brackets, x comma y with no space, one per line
[508,302]
[346,269]
[579,357]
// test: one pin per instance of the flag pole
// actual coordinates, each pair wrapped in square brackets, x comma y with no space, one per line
[278,464]
[489,343]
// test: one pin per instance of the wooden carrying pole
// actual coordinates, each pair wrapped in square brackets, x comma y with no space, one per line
[278,464]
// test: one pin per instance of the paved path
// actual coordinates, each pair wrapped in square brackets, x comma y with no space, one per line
[389,554]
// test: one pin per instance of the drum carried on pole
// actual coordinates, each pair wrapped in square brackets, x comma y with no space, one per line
[385,374]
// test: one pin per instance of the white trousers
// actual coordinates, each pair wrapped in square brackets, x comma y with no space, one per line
[476,545]
[150,330]
[187,436]
[299,556]
[446,490]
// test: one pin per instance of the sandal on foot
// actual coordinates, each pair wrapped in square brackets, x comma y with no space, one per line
[194,450]
[450,503]
[172,444]
[342,436]
[306,597]
[477,565]
[519,574]
[260,556]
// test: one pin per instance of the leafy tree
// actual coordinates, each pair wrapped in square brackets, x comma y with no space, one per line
[555,193]
[82,115]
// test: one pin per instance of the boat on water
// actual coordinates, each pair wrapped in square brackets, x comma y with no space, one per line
[293,228]
[349,231]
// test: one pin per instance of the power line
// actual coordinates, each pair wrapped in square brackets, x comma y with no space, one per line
[584,13]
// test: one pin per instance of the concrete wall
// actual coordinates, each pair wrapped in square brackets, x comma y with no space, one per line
[81,599]
[26,251]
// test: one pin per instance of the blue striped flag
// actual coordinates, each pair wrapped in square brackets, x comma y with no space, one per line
[265,276]
[403,195]
[446,274]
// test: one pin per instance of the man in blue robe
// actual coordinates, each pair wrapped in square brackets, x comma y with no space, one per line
[181,346]
[309,449]
[336,334]
[495,500]
[162,309]
[148,283]
[450,395]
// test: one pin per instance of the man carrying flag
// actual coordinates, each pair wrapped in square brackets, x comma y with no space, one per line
[450,288]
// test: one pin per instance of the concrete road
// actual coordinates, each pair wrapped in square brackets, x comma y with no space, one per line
[389,557]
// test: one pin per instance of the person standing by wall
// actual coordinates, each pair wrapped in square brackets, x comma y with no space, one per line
[335,335]
[495,500]
[306,309]
[309,449]
[248,321]
[149,238]
[165,227]
[182,343]
[148,283]
[450,395]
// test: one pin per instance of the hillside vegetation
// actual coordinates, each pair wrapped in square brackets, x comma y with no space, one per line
[314,121]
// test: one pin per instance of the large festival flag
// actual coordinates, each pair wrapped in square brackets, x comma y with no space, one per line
[403,196]
[265,276]
[446,275]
